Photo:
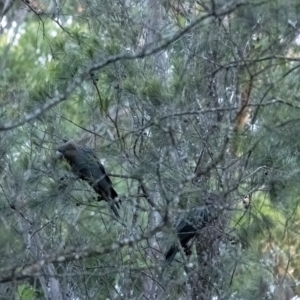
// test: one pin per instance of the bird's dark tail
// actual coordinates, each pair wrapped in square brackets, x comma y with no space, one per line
[171,253]
[114,209]
[114,195]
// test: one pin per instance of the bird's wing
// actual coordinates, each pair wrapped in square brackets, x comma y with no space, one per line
[180,225]
[101,183]
[101,168]
[89,152]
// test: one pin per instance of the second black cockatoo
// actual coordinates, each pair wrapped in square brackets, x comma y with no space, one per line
[86,166]
[189,224]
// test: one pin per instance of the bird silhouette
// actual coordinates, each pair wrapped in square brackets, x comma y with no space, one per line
[86,165]
[189,224]
[187,228]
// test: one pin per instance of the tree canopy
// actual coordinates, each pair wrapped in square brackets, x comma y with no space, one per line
[178,100]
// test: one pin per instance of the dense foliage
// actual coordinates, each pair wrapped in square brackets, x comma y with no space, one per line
[177,99]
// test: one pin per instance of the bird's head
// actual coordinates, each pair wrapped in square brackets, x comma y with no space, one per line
[66,149]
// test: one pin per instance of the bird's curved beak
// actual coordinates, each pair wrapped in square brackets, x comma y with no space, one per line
[59,154]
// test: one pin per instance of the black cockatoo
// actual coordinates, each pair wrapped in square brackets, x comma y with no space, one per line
[191,222]
[86,166]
